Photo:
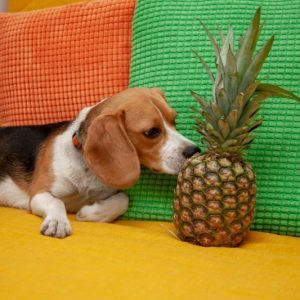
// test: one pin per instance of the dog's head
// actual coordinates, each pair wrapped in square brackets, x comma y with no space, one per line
[135,127]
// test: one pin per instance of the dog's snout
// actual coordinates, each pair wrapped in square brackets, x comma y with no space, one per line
[190,151]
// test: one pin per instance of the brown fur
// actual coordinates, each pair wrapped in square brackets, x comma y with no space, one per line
[113,157]
[133,126]
[43,176]
[110,142]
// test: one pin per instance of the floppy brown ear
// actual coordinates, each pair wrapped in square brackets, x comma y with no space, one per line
[159,91]
[160,101]
[109,153]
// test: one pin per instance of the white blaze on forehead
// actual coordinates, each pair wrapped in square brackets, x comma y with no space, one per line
[172,151]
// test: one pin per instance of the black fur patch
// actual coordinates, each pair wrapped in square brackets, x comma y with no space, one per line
[19,147]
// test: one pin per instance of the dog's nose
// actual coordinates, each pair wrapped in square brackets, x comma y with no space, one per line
[190,151]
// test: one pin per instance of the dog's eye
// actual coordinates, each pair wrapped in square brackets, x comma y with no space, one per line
[152,133]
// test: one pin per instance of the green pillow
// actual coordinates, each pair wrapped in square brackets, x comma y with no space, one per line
[164,34]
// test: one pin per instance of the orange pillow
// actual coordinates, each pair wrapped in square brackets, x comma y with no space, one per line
[55,61]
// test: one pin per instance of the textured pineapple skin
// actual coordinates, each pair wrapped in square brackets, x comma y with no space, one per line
[214,200]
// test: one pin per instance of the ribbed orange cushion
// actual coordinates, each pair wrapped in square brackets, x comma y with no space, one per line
[55,61]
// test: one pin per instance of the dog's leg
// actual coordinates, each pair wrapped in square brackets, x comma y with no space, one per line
[53,211]
[104,210]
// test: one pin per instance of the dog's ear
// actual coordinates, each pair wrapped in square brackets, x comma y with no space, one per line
[109,152]
[160,101]
[159,91]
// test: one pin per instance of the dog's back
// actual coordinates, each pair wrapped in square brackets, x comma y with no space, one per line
[19,147]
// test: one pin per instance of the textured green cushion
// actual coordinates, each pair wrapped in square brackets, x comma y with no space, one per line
[164,34]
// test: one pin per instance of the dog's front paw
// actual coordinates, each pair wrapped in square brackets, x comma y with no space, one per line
[56,227]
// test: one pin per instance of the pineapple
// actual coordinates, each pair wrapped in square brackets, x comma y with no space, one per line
[215,194]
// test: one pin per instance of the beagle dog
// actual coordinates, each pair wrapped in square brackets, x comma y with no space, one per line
[81,166]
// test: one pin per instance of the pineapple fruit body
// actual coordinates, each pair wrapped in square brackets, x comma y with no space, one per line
[214,200]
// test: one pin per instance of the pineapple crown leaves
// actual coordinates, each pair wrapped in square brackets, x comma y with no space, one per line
[230,117]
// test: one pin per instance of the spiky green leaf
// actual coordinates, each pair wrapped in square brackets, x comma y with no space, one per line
[228,44]
[276,91]
[222,101]
[232,118]
[252,108]
[249,91]
[248,44]
[256,64]
[217,110]
[206,67]
[212,39]
[231,76]
[229,143]
[224,128]
[255,125]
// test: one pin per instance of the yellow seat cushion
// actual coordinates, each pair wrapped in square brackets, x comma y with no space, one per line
[140,260]
[27,5]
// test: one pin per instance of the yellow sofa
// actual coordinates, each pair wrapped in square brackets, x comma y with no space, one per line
[138,260]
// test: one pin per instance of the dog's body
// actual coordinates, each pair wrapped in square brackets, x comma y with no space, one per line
[81,166]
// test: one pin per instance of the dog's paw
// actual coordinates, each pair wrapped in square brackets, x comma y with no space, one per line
[104,211]
[56,227]
[97,212]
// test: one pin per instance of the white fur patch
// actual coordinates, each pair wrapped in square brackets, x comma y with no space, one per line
[53,211]
[172,151]
[74,183]
[11,195]
[104,211]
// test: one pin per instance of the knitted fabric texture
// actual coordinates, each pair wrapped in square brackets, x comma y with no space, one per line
[55,61]
[164,34]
